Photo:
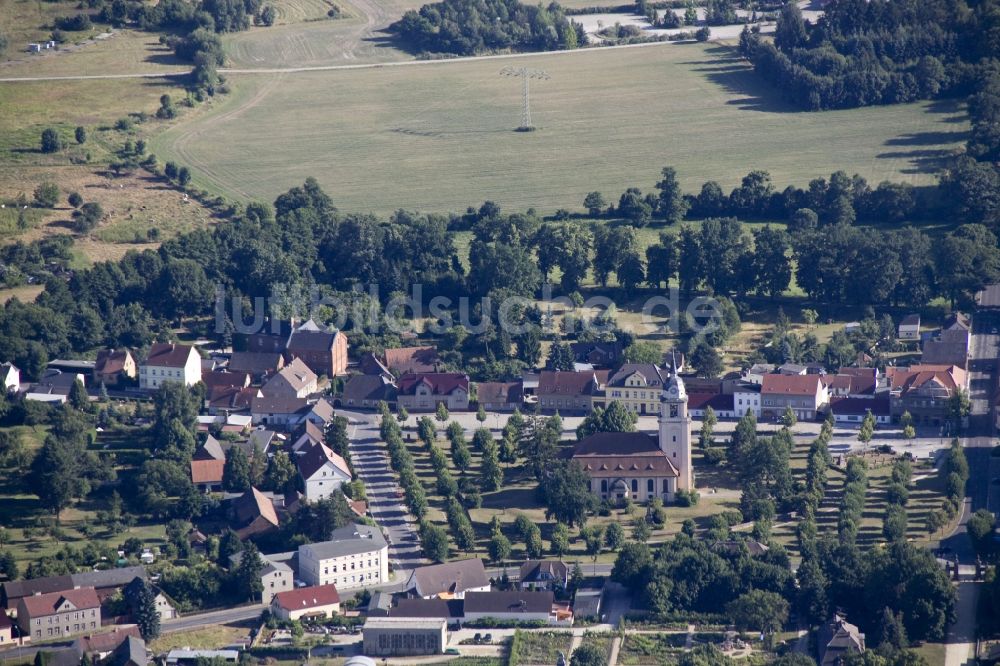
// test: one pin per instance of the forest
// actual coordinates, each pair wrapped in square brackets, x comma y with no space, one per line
[487,26]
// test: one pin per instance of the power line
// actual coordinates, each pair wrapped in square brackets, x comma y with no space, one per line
[526,74]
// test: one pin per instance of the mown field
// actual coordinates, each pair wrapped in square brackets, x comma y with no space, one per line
[439,137]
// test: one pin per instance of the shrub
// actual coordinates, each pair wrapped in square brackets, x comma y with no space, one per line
[46,195]
[75,200]
[51,143]
[687,497]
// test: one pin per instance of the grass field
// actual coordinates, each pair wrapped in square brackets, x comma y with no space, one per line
[438,137]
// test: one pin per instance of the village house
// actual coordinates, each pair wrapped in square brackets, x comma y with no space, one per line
[499,396]
[164,607]
[924,391]
[207,465]
[571,392]
[229,400]
[323,350]
[367,391]
[909,328]
[543,575]
[854,410]
[320,413]
[294,380]
[597,354]
[322,472]
[113,367]
[259,365]
[6,630]
[411,360]
[449,580]
[253,513]
[283,411]
[307,435]
[638,387]
[11,376]
[837,639]
[130,652]
[805,394]
[100,645]
[59,614]
[424,392]
[509,606]
[168,361]
[721,404]
[276,574]
[321,601]
[355,556]
[106,581]
[404,636]
[639,466]
[218,379]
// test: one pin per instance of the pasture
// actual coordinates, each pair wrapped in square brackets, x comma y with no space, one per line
[439,136]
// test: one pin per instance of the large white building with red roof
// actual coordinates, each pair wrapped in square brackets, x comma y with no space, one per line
[59,614]
[322,471]
[319,601]
[425,391]
[806,395]
[170,362]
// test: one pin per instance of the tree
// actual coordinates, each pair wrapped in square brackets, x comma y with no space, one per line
[560,357]
[565,490]
[809,316]
[248,571]
[268,15]
[593,538]
[790,32]
[588,654]
[559,541]
[708,422]
[614,536]
[706,360]
[744,436]
[634,208]
[481,414]
[142,605]
[280,473]
[51,143]
[867,430]
[183,176]
[980,528]
[671,204]
[595,204]
[74,199]
[87,216]
[434,542]
[81,135]
[892,633]
[909,433]
[959,406]
[236,476]
[499,547]
[492,472]
[442,412]
[788,418]
[758,610]
[402,415]
[46,195]
[78,397]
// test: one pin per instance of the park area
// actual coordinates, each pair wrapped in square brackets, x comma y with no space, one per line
[439,136]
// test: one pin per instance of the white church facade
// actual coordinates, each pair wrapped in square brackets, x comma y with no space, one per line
[638,465]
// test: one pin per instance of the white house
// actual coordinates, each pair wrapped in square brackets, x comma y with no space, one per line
[295,380]
[909,328]
[746,395]
[449,580]
[321,602]
[322,471]
[170,362]
[11,377]
[355,556]
[510,606]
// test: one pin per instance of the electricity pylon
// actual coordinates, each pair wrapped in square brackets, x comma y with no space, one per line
[526,74]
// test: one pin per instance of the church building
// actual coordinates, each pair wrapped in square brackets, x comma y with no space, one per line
[638,465]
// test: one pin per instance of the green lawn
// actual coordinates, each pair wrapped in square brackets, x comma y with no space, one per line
[539,647]
[438,136]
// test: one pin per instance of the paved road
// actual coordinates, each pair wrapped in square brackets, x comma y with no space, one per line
[224,616]
[371,462]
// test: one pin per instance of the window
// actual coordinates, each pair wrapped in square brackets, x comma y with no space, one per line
[635,485]
[604,485]
[650,486]
[666,486]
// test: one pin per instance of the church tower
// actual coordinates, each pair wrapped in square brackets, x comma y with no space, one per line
[675,430]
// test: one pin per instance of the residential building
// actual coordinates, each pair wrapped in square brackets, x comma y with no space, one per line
[253,513]
[837,639]
[637,465]
[258,364]
[370,364]
[924,391]
[284,411]
[100,645]
[598,354]
[909,328]
[307,435]
[355,556]
[105,581]
[450,609]
[322,471]
[854,410]
[276,573]
[756,373]
[168,361]
[320,601]
[411,360]
[323,350]
[130,652]
[499,396]
[114,366]
[638,387]
[424,392]
[164,606]
[189,657]
[449,580]
[509,606]
[229,400]
[805,394]
[320,413]
[367,391]
[852,383]
[6,630]
[225,379]
[207,465]
[721,404]
[59,614]
[543,575]
[587,602]
[11,376]
[404,636]
[294,380]
[746,396]
[571,392]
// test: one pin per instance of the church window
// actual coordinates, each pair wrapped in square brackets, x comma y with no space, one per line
[666,486]
[675,438]
[604,485]
[673,411]
[650,486]
[635,485]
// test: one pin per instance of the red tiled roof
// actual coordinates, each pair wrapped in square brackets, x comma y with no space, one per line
[254,503]
[605,453]
[411,359]
[565,382]
[168,355]
[216,379]
[907,379]
[791,384]
[110,361]
[48,604]
[231,397]
[877,406]
[440,383]
[505,392]
[207,471]
[307,597]
[717,401]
